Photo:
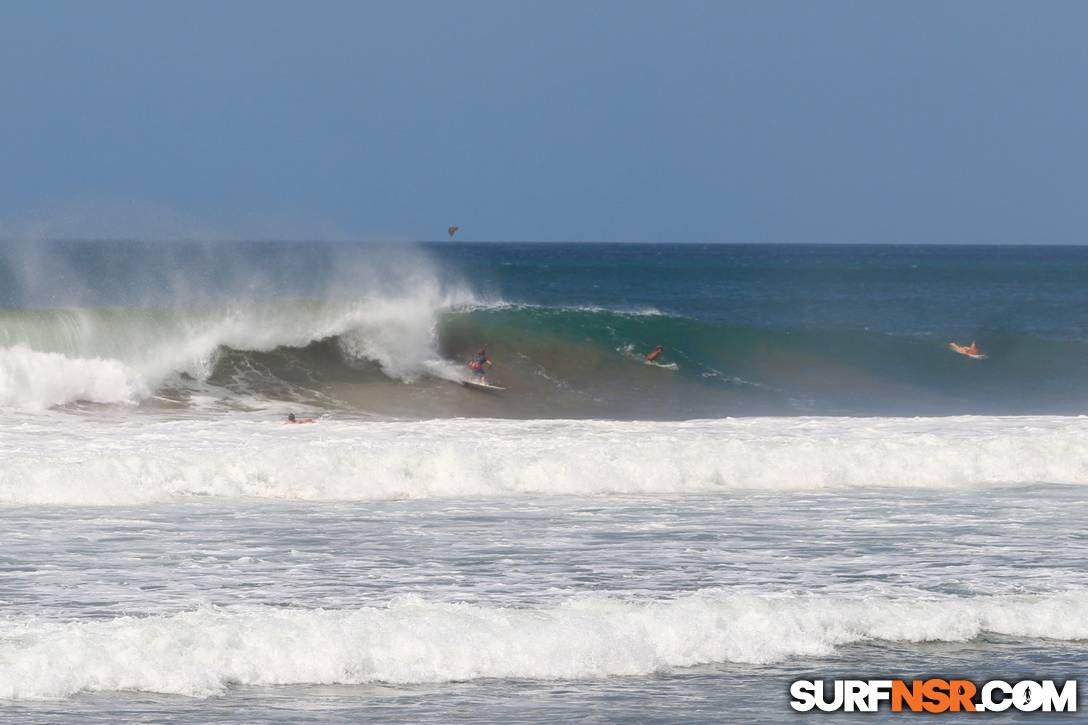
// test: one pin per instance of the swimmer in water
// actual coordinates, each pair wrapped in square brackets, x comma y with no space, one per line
[292,419]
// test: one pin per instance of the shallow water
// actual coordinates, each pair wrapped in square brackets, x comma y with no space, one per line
[225,609]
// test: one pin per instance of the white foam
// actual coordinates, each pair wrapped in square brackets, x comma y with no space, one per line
[37,380]
[498,305]
[120,355]
[57,459]
[54,357]
[201,652]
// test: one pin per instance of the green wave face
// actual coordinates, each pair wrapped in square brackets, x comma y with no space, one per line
[555,362]
[724,370]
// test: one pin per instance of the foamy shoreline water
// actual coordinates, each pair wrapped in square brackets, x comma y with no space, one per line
[228,598]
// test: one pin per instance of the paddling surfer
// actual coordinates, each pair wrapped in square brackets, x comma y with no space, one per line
[971,350]
[292,419]
[654,354]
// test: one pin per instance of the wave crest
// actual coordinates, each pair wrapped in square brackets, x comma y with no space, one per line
[556,362]
[37,380]
[53,357]
[232,458]
[199,653]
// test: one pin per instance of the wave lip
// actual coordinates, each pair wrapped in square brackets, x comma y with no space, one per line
[357,353]
[120,355]
[199,653]
[89,462]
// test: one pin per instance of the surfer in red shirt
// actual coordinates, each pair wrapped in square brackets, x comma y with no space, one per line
[479,364]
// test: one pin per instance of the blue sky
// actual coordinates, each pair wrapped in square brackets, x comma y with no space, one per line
[611,121]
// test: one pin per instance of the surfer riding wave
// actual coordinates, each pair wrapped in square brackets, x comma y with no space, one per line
[478,365]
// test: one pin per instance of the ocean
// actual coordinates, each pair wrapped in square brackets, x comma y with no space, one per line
[810,485]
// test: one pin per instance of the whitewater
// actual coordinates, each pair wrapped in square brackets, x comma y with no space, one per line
[120,356]
[815,487]
[411,641]
[87,460]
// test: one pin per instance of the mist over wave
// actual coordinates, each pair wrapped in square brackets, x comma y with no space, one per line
[201,652]
[122,355]
[384,331]
[761,502]
[184,313]
[395,355]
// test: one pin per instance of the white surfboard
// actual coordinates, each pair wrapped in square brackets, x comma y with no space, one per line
[481,386]
[629,352]
[963,351]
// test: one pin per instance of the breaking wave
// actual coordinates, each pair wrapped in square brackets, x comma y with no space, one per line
[199,653]
[155,460]
[53,357]
[384,332]
[392,355]
[35,380]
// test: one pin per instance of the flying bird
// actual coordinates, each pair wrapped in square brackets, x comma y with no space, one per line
[452,231]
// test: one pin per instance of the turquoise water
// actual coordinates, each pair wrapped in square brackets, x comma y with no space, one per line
[818,487]
[751,330]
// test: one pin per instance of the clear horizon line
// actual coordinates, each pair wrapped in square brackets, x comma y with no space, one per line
[282,240]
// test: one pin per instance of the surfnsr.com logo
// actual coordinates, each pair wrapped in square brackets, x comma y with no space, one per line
[933,695]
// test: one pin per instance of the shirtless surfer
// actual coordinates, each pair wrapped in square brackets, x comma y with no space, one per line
[969,350]
[655,354]
[292,419]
